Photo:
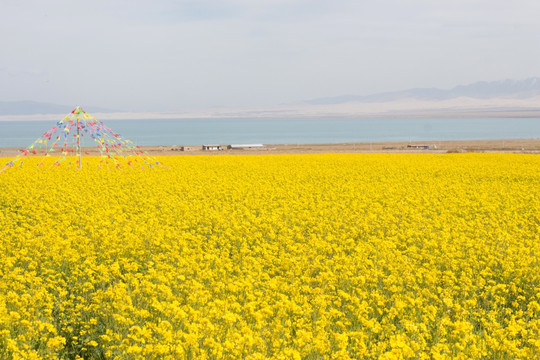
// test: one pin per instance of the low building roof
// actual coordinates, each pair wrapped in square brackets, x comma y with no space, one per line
[246,145]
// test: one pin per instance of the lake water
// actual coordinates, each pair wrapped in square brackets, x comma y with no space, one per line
[291,131]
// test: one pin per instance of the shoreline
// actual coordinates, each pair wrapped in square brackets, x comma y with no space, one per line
[530,146]
[308,113]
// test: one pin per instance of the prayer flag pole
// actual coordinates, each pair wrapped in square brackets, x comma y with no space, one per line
[78,137]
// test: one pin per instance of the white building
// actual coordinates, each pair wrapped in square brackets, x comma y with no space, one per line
[245,146]
[212,147]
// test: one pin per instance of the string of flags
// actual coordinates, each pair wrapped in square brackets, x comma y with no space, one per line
[64,140]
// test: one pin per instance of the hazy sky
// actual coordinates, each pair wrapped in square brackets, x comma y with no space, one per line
[164,55]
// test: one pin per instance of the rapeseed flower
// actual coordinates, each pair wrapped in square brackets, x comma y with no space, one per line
[294,256]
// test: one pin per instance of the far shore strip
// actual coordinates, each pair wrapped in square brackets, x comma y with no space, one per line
[448,146]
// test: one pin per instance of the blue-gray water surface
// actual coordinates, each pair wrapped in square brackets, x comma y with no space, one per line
[291,131]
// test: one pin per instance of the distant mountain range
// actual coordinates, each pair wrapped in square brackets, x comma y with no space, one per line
[518,89]
[496,98]
[35,107]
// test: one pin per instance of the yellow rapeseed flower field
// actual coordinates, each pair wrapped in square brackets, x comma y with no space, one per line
[334,256]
